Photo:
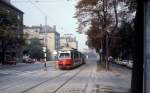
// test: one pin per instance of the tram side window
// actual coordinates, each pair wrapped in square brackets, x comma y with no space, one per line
[76,55]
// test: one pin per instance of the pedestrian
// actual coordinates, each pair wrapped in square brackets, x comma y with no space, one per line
[45,67]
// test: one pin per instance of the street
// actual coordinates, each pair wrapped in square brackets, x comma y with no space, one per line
[32,78]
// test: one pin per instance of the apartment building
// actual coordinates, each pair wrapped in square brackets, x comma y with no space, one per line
[51,36]
[33,32]
[52,40]
[68,41]
[9,45]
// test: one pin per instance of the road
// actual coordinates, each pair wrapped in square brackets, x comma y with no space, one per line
[32,78]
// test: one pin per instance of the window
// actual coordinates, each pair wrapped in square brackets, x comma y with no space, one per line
[64,55]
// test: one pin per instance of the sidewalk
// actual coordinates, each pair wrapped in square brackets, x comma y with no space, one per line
[11,66]
[117,80]
[24,64]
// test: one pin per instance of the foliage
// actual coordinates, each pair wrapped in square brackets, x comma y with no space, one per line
[9,24]
[36,52]
[97,16]
[102,18]
[35,49]
[123,45]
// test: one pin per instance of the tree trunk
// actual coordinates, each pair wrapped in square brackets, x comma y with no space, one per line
[116,14]
[107,52]
[137,72]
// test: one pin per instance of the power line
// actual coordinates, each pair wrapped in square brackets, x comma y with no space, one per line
[41,11]
[38,8]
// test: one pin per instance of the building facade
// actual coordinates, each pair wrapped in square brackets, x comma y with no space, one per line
[11,29]
[33,32]
[68,41]
[47,33]
[52,40]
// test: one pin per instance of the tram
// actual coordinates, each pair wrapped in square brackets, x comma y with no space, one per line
[70,58]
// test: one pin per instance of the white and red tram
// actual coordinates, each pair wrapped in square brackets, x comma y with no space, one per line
[70,59]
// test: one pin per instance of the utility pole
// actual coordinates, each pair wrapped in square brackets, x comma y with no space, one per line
[45,43]
[107,51]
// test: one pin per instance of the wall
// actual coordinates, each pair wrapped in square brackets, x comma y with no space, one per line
[19,14]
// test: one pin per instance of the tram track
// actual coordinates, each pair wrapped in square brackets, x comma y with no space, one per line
[61,85]
[70,82]
[20,79]
[74,76]
[44,82]
[21,73]
[67,81]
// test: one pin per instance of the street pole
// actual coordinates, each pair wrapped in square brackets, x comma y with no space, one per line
[101,56]
[107,52]
[45,43]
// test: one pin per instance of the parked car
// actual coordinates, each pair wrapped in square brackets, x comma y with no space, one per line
[30,61]
[125,62]
[118,61]
[130,64]
[11,61]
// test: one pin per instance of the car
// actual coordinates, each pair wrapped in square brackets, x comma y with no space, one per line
[130,64]
[125,62]
[30,61]
[118,61]
[11,61]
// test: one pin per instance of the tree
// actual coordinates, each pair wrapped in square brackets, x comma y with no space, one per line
[35,49]
[126,41]
[36,52]
[87,10]
[94,15]
[99,19]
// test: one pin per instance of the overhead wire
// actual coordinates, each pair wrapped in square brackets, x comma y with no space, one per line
[41,11]
[44,13]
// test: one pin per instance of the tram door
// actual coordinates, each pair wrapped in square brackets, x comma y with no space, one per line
[75,58]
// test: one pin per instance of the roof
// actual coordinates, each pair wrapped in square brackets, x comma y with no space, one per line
[32,27]
[10,5]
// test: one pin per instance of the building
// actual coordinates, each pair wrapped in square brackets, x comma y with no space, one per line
[12,18]
[51,36]
[33,32]
[68,41]
[52,40]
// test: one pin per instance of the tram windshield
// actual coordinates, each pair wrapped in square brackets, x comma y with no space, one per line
[64,55]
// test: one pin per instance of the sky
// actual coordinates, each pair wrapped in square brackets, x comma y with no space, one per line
[58,12]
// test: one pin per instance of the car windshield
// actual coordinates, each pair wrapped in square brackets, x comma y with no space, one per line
[64,55]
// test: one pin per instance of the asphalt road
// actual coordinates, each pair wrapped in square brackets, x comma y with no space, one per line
[32,78]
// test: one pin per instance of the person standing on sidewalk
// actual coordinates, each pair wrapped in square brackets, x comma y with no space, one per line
[45,66]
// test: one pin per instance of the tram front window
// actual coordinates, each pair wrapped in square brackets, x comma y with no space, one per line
[64,55]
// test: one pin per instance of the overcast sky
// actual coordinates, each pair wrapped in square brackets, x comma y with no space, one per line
[59,13]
